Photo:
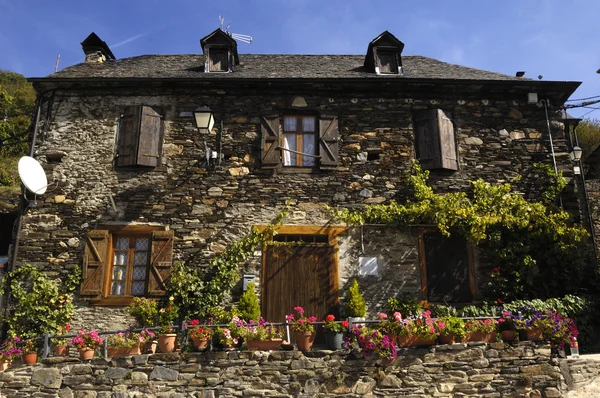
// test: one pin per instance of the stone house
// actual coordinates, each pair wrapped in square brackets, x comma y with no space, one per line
[140,185]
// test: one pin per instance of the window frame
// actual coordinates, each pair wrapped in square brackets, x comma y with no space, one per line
[130,263]
[299,133]
[387,52]
[420,233]
[213,50]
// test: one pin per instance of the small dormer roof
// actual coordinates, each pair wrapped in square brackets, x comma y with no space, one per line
[220,38]
[385,39]
[93,43]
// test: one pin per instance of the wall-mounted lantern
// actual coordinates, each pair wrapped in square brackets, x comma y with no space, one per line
[204,119]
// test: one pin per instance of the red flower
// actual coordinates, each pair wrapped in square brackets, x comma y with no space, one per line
[330,318]
[194,322]
[345,324]
[68,327]
[496,270]
[499,301]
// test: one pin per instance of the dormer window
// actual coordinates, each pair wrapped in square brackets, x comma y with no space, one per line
[220,52]
[384,55]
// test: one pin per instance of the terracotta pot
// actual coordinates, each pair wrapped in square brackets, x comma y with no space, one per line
[508,336]
[135,350]
[61,350]
[200,344]
[29,359]
[114,352]
[421,342]
[305,340]
[4,365]
[86,354]
[264,345]
[447,338]
[149,347]
[535,334]
[414,341]
[166,342]
[481,336]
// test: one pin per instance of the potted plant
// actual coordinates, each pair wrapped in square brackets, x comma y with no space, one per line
[450,329]
[200,335]
[86,343]
[303,328]
[61,349]
[227,338]
[390,327]
[262,336]
[166,336]
[561,330]
[507,326]
[144,311]
[372,342]
[481,330]
[334,332]
[9,350]
[148,341]
[123,344]
[534,326]
[248,305]
[417,331]
[29,348]
[355,306]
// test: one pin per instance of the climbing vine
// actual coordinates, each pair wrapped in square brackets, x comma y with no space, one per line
[197,292]
[527,243]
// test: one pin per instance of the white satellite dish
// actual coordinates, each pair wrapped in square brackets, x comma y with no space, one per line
[32,175]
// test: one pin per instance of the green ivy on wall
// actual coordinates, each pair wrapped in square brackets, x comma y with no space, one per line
[530,245]
[197,292]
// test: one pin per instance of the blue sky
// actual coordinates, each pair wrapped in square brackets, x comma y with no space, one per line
[541,37]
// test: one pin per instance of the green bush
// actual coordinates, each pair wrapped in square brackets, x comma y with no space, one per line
[355,302]
[405,306]
[144,311]
[248,305]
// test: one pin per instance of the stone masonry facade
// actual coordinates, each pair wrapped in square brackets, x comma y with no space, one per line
[207,208]
[468,370]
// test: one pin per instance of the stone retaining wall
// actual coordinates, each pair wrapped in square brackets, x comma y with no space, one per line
[474,370]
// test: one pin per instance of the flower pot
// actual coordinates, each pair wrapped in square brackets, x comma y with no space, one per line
[264,345]
[508,336]
[4,365]
[149,347]
[423,342]
[534,334]
[405,341]
[487,337]
[86,354]
[305,340]
[135,350]
[200,344]
[447,338]
[166,342]
[114,352]
[29,359]
[61,350]
[334,340]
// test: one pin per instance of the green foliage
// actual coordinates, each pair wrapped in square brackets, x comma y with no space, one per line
[37,304]
[355,305]
[196,292]
[405,306]
[527,243]
[248,305]
[144,311]
[17,100]
[448,325]
[588,133]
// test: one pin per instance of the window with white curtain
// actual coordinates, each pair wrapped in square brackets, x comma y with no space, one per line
[299,141]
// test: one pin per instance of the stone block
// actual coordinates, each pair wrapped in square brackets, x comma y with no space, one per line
[116,373]
[46,377]
[163,373]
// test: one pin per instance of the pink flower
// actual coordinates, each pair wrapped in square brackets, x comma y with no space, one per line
[299,310]
[397,316]
[312,319]
[382,315]
[289,317]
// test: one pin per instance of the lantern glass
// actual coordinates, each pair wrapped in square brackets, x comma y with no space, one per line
[577,152]
[204,119]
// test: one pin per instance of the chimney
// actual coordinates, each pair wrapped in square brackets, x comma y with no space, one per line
[96,51]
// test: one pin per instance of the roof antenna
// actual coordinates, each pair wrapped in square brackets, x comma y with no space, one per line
[56,64]
[235,36]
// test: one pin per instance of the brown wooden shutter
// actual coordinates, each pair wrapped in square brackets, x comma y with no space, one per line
[149,137]
[329,138]
[161,261]
[95,262]
[447,141]
[270,141]
[128,137]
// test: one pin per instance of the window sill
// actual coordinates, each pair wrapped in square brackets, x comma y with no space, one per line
[114,301]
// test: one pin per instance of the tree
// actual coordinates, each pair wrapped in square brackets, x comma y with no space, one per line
[248,304]
[17,100]
[588,133]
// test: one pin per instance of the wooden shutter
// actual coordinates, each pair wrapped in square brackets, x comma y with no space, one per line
[448,272]
[95,262]
[128,137]
[447,141]
[270,141]
[218,60]
[161,261]
[329,138]
[149,137]
[434,140]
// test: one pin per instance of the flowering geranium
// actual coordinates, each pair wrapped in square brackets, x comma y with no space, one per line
[125,340]
[329,324]
[226,337]
[62,331]
[146,336]
[371,342]
[303,323]
[260,331]
[166,317]
[9,350]
[450,325]
[481,325]
[198,332]
[85,339]
[508,321]
[391,326]
[422,326]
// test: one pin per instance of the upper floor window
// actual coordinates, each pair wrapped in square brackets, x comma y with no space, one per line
[139,138]
[300,141]
[435,145]
[218,60]
[387,61]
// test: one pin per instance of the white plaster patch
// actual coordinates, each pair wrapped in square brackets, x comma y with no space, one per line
[368,266]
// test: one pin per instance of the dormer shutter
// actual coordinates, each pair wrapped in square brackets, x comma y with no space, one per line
[270,141]
[328,142]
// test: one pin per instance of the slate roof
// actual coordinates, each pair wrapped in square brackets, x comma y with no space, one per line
[272,66]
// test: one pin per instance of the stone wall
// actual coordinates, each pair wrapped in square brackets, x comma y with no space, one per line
[474,369]
[209,208]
